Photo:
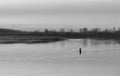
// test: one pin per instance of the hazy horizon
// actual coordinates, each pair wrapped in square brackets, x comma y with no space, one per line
[61,13]
[57,27]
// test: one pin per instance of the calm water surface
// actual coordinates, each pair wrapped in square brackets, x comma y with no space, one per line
[98,58]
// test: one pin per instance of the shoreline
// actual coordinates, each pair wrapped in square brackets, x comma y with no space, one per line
[34,39]
[28,39]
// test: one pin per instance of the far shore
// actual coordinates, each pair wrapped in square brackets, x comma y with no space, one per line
[28,39]
[8,36]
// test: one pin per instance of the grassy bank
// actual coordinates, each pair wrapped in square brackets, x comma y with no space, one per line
[28,39]
[17,36]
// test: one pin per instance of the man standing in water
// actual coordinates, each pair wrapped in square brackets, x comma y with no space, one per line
[80,51]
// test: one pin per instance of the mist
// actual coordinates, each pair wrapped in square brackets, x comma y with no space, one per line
[62,14]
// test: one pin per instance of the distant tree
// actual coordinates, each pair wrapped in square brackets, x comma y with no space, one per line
[54,31]
[95,30]
[85,30]
[46,30]
[118,29]
[62,30]
[71,30]
[81,30]
[113,30]
[106,30]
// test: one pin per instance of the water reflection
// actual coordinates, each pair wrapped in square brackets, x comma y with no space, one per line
[88,46]
[97,42]
[85,42]
[89,42]
[60,58]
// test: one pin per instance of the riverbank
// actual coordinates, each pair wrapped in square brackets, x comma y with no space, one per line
[28,39]
[17,36]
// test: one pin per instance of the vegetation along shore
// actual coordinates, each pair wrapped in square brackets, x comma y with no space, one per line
[17,36]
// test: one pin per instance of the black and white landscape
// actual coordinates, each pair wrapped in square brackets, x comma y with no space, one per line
[59,37]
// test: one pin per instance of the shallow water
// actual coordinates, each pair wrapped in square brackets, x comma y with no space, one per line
[98,58]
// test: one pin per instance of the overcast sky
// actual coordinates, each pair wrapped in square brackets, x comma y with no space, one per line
[80,13]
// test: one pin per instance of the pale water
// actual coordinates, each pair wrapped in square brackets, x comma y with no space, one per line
[98,58]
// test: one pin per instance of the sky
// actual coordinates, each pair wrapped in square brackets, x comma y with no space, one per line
[61,13]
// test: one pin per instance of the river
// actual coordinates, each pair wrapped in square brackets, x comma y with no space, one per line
[98,58]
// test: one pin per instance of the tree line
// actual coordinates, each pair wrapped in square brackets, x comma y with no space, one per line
[82,33]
